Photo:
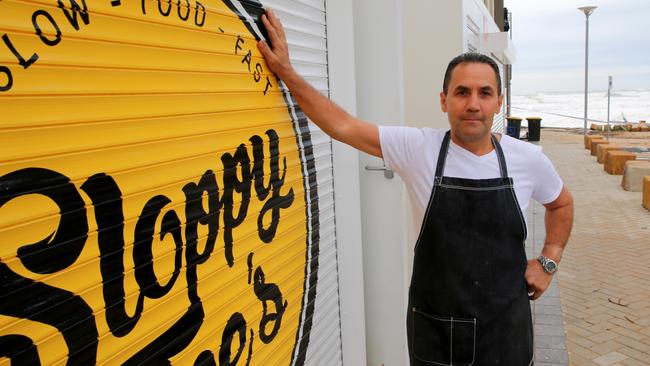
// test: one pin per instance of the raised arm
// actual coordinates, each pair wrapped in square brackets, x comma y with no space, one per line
[332,119]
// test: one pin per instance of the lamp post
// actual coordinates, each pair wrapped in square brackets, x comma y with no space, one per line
[588,10]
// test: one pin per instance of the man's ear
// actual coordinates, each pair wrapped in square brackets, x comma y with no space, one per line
[443,102]
[500,102]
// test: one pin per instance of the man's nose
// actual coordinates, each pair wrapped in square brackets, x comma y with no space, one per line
[473,104]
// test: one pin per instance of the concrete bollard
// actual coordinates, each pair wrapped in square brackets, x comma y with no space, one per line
[646,192]
[633,175]
[615,161]
[589,138]
[602,149]
[595,144]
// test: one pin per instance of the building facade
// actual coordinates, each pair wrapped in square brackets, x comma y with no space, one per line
[164,200]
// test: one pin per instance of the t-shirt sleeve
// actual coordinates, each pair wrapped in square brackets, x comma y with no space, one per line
[548,183]
[399,146]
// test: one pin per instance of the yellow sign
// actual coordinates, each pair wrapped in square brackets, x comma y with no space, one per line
[157,188]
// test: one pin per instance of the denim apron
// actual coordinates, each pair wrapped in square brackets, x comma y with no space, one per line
[468,303]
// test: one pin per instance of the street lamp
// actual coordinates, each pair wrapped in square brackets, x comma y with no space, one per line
[588,10]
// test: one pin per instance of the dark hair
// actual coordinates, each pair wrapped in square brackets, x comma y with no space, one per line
[471,57]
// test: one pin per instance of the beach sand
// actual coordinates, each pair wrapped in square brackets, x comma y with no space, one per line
[576,135]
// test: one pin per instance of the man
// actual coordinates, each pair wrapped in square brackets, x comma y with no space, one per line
[471,283]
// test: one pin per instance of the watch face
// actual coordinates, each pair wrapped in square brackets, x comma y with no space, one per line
[550,267]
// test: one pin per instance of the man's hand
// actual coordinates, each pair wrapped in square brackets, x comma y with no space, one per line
[536,279]
[333,120]
[559,221]
[277,58]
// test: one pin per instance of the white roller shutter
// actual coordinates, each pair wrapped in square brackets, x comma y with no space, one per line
[305,25]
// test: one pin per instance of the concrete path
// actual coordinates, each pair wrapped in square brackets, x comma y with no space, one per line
[604,277]
[550,339]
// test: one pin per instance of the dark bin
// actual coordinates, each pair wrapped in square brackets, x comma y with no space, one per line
[534,126]
[514,127]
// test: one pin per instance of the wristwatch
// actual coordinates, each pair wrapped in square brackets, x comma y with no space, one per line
[549,265]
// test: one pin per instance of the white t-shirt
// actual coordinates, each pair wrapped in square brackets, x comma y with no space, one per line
[413,154]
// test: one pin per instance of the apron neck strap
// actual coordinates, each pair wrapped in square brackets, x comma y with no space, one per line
[444,149]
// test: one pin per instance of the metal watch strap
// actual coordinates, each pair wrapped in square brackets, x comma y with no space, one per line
[544,261]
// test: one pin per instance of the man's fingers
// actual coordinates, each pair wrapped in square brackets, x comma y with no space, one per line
[277,24]
[266,52]
[270,30]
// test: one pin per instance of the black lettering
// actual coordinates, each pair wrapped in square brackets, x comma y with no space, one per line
[268,85]
[205,358]
[169,8]
[25,298]
[172,342]
[238,44]
[39,31]
[20,350]
[262,190]
[269,292]
[274,204]
[250,348]
[236,324]
[277,201]
[144,11]
[196,15]
[195,214]
[142,251]
[249,262]
[233,184]
[63,246]
[21,60]
[10,80]
[257,74]
[107,200]
[248,59]
[74,6]
[187,14]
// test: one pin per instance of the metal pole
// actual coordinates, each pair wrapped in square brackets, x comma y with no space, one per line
[588,10]
[609,92]
[586,71]
[509,73]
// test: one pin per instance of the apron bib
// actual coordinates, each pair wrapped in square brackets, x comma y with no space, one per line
[468,303]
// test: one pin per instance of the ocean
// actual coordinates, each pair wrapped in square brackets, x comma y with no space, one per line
[626,105]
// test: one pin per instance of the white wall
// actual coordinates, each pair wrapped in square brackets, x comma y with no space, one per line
[378,58]
[432,37]
[346,185]
[386,63]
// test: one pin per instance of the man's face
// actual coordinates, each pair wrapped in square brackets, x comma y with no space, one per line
[472,100]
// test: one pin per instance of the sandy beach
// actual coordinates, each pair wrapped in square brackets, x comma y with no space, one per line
[556,134]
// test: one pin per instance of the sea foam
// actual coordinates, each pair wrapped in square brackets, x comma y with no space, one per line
[625,105]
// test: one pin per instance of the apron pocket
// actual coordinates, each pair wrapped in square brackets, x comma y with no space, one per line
[443,340]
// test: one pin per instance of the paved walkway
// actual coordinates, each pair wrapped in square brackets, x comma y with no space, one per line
[550,339]
[604,277]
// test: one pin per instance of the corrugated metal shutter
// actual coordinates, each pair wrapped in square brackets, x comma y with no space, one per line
[159,198]
[499,123]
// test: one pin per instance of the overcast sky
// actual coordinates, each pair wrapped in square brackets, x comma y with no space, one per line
[549,37]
